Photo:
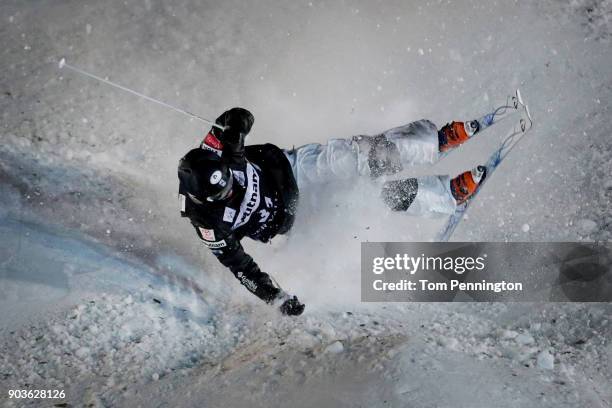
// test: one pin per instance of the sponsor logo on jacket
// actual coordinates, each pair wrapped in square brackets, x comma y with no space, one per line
[252,197]
[229,214]
[249,283]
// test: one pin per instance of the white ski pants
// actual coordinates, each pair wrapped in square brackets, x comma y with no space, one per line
[384,154]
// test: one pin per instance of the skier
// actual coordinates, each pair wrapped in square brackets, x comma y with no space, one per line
[230,191]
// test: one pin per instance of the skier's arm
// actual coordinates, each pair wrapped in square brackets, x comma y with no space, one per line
[237,123]
[248,273]
[231,254]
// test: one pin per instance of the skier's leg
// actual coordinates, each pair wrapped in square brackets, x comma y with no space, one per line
[387,153]
[424,196]
[316,163]
[415,143]
[392,150]
[432,195]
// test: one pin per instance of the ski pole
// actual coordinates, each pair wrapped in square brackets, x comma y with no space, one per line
[64,64]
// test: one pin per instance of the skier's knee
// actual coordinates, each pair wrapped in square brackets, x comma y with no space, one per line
[383,157]
[399,194]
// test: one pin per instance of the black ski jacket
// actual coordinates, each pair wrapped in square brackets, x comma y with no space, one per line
[263,201]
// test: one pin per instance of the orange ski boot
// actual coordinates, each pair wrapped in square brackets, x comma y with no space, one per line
[454,134]
[465,185]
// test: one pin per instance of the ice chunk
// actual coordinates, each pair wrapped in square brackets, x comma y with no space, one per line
[525,339]
[508,334]
[545,360]
[586,226]
[448,342]
[82,352]
[335,347]
[303,339]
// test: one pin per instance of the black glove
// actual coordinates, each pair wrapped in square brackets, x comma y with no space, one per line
[292,307]
[237,123]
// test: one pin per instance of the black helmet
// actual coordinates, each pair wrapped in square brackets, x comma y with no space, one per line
[205,176]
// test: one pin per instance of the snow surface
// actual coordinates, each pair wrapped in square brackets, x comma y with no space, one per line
[106,293]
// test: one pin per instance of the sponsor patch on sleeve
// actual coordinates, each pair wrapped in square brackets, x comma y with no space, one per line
[215,245]
[212,143]
[207,234]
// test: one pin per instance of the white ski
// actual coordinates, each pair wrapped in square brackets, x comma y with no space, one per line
[524,125]
[495,116]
